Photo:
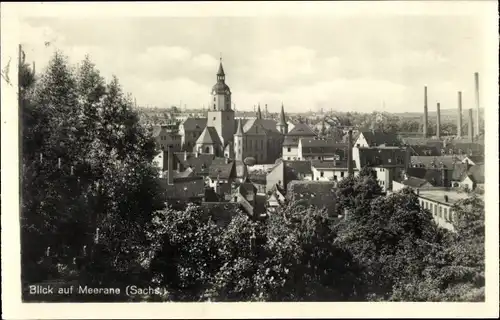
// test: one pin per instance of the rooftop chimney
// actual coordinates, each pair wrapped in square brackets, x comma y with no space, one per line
[350,169]
[476,81]
[425,112]
[170,164]
[459,121]
[471,126]
[438,121]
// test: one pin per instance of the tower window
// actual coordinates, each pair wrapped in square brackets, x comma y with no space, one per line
[214,99]
[215,118]
[214,106]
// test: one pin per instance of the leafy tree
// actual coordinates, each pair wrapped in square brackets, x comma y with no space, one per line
[455,266]
[86,167]
[390,239]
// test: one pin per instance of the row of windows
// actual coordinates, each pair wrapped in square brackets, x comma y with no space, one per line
[437,211]
[322,174]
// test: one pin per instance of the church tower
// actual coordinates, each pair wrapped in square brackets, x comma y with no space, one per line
[220,115]
[282,125]
[239,142]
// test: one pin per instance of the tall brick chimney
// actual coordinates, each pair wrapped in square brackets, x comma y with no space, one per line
[476,81]
[459,121]
[350,169]
[170,164]
[438,121]
[425,112]
[471,126]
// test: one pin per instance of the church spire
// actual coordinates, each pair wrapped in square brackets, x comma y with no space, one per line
[283,126]
[282,115]
[220,73]
[259,113]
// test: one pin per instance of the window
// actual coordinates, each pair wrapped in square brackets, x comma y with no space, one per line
[294,158]
[319,158]
[289,149]
[440,212]
[288,158]
[207,150]
[321,173]
[335,178]
[445,213]
[214,99]
[214,108]
[215,118]
[342,174]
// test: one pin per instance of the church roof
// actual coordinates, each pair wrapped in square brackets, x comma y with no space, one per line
[301,129]
[194,124]
[267,125]
[209,136]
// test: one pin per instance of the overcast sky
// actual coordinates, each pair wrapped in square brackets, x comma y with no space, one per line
[355,63]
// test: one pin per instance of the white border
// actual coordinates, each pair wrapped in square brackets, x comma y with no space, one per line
[11,303]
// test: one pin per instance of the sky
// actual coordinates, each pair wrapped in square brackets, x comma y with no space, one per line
[344,63]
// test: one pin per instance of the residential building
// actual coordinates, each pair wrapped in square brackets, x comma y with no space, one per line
[190,130]
[286,171]
[473,178]
[291,140]
[321,149]
[376,139]
[167,136]
[331,170]
[388,163]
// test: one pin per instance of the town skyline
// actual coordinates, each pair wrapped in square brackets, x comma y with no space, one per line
[303,71]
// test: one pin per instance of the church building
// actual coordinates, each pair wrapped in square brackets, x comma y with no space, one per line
[224,136]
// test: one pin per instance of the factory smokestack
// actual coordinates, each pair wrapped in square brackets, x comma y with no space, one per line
[438,121]
[476,81]
[425,112]
[350,169]
[471,126]
[459,121]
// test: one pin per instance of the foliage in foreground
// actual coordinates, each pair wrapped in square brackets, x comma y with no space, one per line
[386,248]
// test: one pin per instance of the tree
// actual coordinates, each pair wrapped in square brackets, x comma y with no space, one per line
[455,267]
[391,239]
[87,178]
[356,191]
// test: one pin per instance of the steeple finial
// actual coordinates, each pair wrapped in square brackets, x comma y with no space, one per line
[220,73]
